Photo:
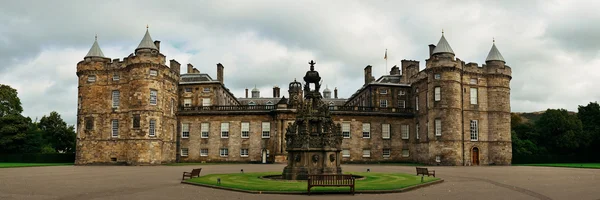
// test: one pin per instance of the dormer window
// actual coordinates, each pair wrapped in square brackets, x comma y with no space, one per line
[91,78]
[153,72]
[251,103]
[331,103]
[269,103]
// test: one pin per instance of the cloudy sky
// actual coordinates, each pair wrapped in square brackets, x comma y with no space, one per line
[552,46]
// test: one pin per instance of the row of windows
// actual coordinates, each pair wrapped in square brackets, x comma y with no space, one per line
[244,130]
[115,127]
[188,102]
[189,89]
[223,152]
[366,130]
[367,153]
[385,91]
[116,77]
[437,96]
[116,98]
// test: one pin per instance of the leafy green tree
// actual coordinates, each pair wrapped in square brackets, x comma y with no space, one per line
[590,119]
[57,134]
[9,101]
[14,133]
[561,132]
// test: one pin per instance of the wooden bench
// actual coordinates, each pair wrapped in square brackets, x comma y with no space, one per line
[425,171]
[331,180]
[194,173]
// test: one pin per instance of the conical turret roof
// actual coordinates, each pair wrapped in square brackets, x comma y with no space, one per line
[443,46]
[147,42]
[327,89]
[494,54]
[95,51]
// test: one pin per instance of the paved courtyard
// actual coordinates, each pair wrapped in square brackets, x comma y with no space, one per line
[163,182]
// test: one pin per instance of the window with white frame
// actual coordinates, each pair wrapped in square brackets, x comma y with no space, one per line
[387,153]
[206,89]
[401,104]
[245,129]
[251,103]
[437,76]
[116,77]
[204,127]
[438,127]
[203,152]
[244,152]
[417,102]
[152,129]
[153,72]
[405,153]
[382,91]
[385,131]
[184,152]
[185,130]
[473,81]
[438,158]
[116,98]
[225,130]
[366,153]
[269,103]
[115,128]
[91,78]
[346,153]
[405,131]
[383,103]
[153,97]
[223,152]
[437,94]
[187,102]
[266,129]
[474,131]
[366,132]
[205,101]
[473,95]
[417,130]
[346,129]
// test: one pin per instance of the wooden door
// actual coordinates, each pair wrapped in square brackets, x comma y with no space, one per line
[475,156]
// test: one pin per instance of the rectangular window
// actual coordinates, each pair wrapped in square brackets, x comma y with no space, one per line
[152,131]
[153,97]
[437,76]
[346,129]
[438,127]
[417,102]
[474,131]
[203,152]
[223,152]
[401,104]
[153,72]
[115,128]
[266,129]
[366,153]
[417,131]
[172,106]
[89,123]
[366,130]
[473,95]
[383,91]
[346,153]
[405,153]
[385,131]
[187,102]
[204,127]
[225,130]
[405,132]
[245,129]
[383,103]
[206,102]
[244,152]
[136,121]
[188,89]
[386,153]
[184,152]
[91,78]
[116,77]
[438,159]
[437,95]
[185,130]
[206,89]
[473,81]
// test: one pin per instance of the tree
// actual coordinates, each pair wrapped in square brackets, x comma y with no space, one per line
[590,119]
[57,134]
[9,101]
[14,133]
[561,132]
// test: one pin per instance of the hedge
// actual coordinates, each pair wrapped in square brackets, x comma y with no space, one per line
[38,158]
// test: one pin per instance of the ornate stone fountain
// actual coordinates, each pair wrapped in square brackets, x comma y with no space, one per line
[313,141]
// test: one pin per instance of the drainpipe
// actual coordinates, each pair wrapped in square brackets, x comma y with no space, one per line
[462,116]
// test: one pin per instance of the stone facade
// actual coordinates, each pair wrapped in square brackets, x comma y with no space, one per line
[431,115]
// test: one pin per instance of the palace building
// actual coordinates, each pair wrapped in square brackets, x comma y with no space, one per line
[141,111]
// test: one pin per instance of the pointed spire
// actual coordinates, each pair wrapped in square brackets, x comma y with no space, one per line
[443,46]
[494,54]
[147,42]
[95,51]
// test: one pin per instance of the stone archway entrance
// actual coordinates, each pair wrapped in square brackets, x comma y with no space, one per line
[475,156]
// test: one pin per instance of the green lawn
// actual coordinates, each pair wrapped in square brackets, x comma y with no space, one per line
[251,181]
[10,165]
[574,165]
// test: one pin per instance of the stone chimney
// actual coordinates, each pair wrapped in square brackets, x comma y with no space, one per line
[431,48]
[196,71]
[190,68]
[276,92]
[157,44]
[246,92]
[335,93]
[175,66]
[220,72]
[368,74]
[395,70]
